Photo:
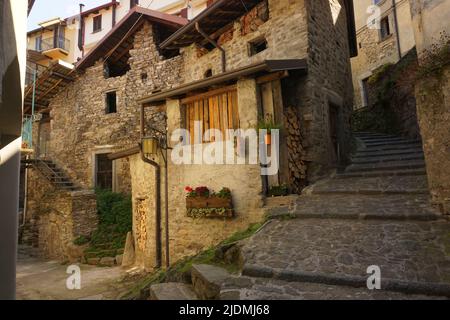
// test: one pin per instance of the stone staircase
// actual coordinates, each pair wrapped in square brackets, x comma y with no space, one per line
[321,244]
[52,173]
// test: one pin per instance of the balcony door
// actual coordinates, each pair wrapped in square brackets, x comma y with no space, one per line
[59,36]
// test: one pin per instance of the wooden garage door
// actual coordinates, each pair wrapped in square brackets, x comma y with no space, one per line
[217,109]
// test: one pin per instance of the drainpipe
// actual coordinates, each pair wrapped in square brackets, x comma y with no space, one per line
[25,200]
[157,198]
[397,33]
[81,33]
[114,13]
[214,43]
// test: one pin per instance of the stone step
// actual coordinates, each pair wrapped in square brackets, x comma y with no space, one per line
[172,292]
[397,173]
[208,280]
[387,153]
[381,159]
[387,166]
[390,147]
[383,140]
[373,185]
[412,256]
[359,207]
[263,289]
[391,142]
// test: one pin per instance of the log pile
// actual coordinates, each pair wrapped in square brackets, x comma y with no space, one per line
[297,167]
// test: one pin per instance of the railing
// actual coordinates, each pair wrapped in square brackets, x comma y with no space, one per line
[51,43]
[27,132]
[31,69]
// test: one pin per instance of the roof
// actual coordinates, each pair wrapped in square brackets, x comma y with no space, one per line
[119,37]
[256,68]
[214,18]
[48,84]
[30,5]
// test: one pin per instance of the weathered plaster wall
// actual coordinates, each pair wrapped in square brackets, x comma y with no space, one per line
[189,236]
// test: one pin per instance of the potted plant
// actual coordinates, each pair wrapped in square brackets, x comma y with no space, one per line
[268,124]
[202,203]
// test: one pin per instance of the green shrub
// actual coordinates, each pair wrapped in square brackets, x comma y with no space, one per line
[115,221]
[81,240]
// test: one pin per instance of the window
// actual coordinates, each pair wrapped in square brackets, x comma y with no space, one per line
[97,24]
[38,44]
[133,3]
[103,172]
[257,46]
[385,31]
[217,109]
[111,102]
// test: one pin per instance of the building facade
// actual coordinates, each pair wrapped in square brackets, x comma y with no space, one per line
[231,67]
[382,40]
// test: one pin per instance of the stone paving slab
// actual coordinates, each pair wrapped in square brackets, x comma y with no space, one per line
[345,206]
[246,288]
[374,185]
[340,250]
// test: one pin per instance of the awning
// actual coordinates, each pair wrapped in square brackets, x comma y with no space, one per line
[48,83]
[266,66]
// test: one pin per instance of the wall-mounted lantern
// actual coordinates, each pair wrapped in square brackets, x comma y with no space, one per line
[149,146]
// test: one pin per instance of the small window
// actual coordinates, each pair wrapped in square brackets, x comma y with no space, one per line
[385,30]
[111,102]
[365,92]
[133,3]
[208,73]
[257,46]
[97,24]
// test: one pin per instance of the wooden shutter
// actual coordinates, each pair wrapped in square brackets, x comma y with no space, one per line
[217,109]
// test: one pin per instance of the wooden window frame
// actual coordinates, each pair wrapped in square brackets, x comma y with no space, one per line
[220,107]
[97,24]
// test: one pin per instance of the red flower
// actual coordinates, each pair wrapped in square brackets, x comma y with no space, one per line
[188,189]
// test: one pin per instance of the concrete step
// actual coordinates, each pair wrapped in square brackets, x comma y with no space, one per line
[263,289]
[359,207]
[412,256]
[387,166]
[172,291]
[208,280]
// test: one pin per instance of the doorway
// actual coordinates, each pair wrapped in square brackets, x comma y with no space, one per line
[103,172]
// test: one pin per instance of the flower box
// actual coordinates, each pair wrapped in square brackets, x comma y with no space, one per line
[200,203]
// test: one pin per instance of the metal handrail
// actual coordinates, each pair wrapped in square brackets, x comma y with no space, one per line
[51,43]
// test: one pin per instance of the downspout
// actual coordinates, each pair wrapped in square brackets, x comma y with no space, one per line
[215,44]
[114,13]
[397,33]
[157,196]
[25,200]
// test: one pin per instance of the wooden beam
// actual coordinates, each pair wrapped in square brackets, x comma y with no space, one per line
[272,77]
[208,94]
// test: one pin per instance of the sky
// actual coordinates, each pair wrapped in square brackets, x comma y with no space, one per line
[44,10]
[47,9]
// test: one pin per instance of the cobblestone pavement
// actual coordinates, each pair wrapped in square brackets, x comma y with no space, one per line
[46,280]
[323,242]
[247,288]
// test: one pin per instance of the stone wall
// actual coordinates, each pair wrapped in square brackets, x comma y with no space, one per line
[285,32]
[328,84]
[433,111]
[80,128]
[56,218]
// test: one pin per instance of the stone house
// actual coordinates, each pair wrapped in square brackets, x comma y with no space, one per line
[288,59]
[93,114]
[378,45]
[242,59]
